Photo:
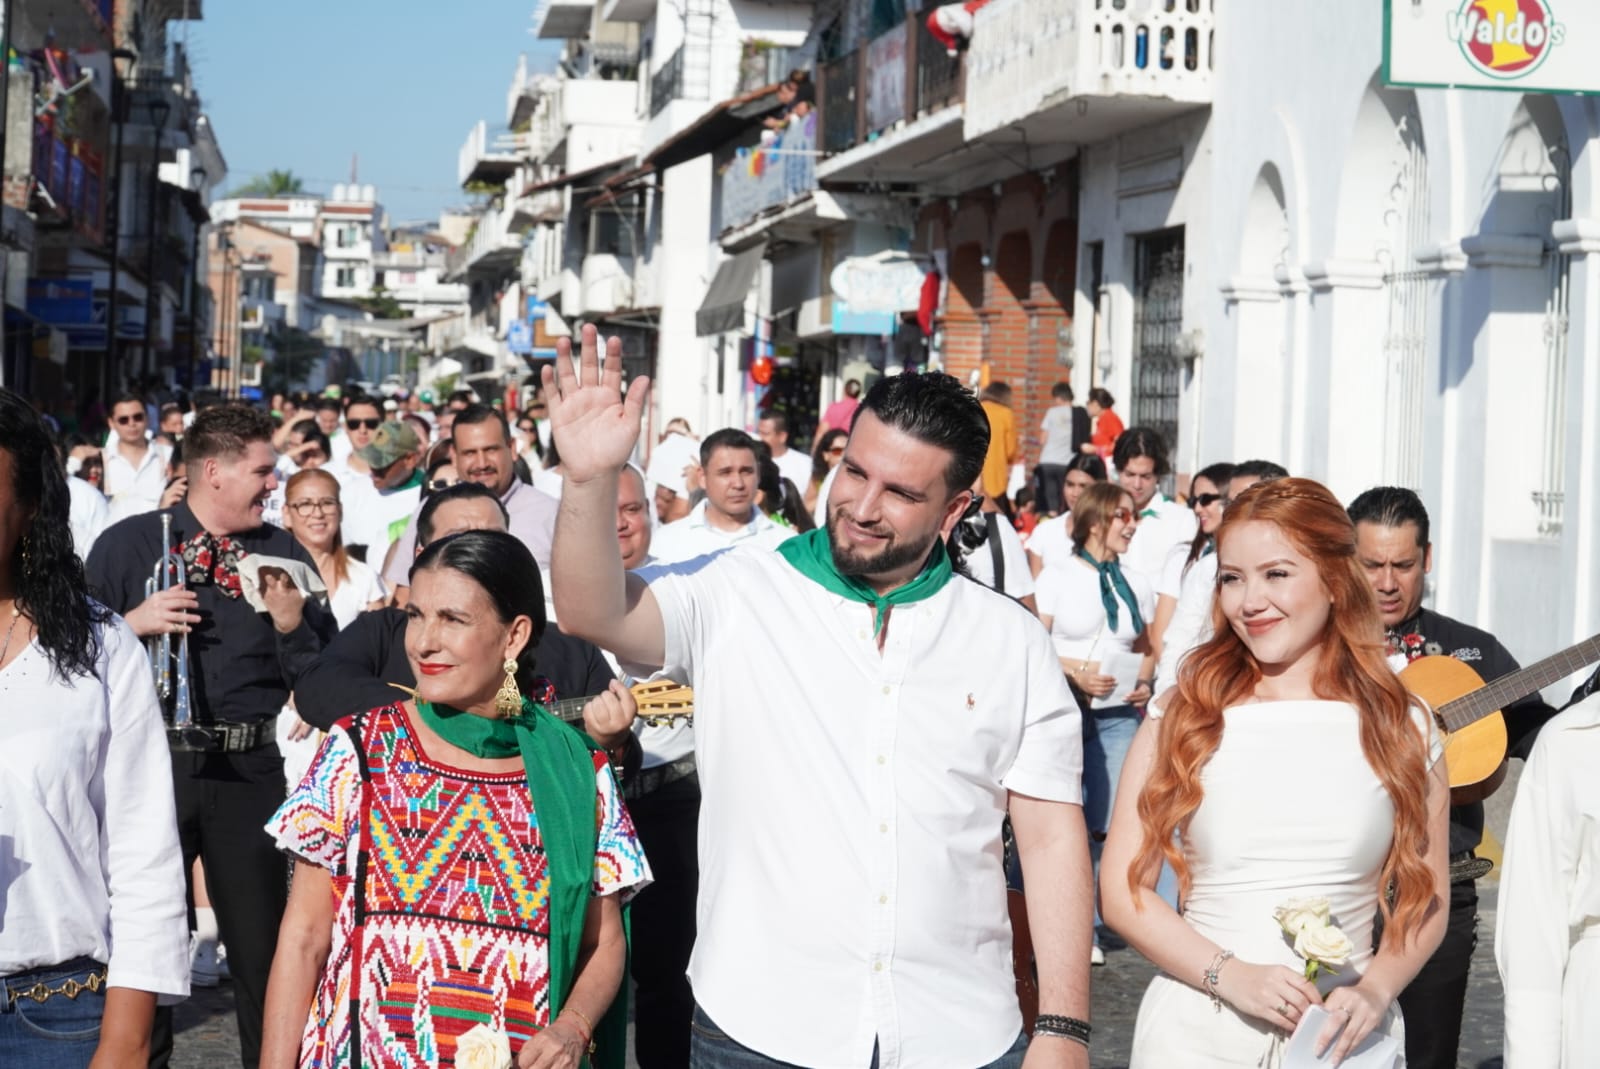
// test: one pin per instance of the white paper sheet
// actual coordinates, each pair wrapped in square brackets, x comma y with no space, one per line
[1377,1051]
[1124,667]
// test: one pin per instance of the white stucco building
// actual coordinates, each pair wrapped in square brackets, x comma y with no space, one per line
[1373,285]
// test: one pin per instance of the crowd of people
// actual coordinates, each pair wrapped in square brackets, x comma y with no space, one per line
[361,708]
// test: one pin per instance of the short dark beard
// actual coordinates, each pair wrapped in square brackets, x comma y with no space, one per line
[892,557]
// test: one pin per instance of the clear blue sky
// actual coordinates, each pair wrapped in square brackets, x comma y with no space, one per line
[302,85]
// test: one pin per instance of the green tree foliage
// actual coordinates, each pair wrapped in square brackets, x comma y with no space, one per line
[272,184]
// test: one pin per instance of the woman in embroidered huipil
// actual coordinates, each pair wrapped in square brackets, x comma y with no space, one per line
[459,861]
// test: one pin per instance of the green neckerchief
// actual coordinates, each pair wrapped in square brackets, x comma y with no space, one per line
[560,774]
[415,480]
[811,554]
[1112,579]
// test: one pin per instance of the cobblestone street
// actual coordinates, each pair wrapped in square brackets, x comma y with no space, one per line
[207,1038]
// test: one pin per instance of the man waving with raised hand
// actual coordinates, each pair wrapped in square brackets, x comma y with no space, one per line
[852,906]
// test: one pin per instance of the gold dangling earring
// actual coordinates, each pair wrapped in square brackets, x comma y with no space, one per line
[508,701]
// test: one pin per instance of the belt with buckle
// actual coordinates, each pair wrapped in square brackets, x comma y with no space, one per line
[222,737]
[653,779]
[1466,867]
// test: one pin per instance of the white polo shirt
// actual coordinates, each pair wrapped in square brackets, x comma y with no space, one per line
[1163,525]
[851,883]
[796,467]
[132,489]
[694,536]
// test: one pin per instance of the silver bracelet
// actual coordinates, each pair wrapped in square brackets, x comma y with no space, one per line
[1213,973]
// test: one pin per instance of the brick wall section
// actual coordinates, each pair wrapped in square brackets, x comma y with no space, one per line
[1006,315]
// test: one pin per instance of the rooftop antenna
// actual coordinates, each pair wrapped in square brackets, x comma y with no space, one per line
[355,161]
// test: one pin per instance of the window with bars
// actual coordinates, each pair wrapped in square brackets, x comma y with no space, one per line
[1157,322]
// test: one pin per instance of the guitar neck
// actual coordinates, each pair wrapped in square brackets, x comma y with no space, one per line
[1502,692]
[569,710]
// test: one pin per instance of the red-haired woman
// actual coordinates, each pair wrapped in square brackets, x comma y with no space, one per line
[1289,762]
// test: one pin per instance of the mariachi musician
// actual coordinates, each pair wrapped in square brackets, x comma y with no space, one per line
[1393,546]
[237,667]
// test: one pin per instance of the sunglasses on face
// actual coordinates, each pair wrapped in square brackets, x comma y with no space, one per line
[1205,501]
[363,424]
[441,484]
[525,428]
[836,451]
[123,421]
[1122,515]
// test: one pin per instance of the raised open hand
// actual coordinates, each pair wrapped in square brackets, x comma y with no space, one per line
[595,426]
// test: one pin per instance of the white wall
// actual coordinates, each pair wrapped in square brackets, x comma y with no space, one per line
[1313,120]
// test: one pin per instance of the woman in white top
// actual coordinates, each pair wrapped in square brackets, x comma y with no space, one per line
[1051,541]
[1547,939]
[1096,616]
[312,513]
[1289,763]
[1206,492]
[91,876]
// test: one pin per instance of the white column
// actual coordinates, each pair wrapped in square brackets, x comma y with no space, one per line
[1580,239]
[1345,434]
[1261,402]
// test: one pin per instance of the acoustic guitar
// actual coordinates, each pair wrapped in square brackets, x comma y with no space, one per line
[1467,711]
[660,702]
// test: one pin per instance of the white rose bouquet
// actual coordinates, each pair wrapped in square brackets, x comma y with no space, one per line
[1308,923]
[482,1047]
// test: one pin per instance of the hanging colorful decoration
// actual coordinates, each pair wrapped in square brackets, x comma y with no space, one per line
[761,370]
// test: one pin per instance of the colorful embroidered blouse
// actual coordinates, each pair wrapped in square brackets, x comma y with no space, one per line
[441,888]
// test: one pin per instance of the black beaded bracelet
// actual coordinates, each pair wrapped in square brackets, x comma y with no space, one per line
[1054,1024]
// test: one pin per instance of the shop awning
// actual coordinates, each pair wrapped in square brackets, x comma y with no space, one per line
[723,309]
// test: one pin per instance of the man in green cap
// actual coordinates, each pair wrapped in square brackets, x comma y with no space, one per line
[377,521]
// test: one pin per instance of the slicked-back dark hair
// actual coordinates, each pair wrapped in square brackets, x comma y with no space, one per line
[936,409]
[46,573]
[225,431]
[729,438]
[462,491]
[476,413]
[505,569]
[1391,506]
[1142,442]
[1263,471]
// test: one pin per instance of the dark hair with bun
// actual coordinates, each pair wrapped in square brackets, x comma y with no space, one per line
[505,569]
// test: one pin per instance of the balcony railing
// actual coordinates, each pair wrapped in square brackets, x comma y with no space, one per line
[491,247]
[486,160]
[666,84]
[901,75]
[765,176]
[1029,52]
[839,84]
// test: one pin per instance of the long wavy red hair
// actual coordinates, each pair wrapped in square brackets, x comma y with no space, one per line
[1352,668]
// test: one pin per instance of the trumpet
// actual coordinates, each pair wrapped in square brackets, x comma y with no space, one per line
[167,570]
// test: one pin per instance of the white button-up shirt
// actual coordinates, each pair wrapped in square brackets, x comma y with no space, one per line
[135,489]
[851,883]
[90,865]
[695,536]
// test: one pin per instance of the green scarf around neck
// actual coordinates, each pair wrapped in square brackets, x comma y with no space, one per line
[560,771]
[811,554]
[1114,585]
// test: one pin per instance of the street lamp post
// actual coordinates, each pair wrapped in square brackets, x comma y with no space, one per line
[113,219]
[159,110]
[196,178]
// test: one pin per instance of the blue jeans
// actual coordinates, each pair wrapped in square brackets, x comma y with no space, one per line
[58,1033]
[1107,735]
[711,1048]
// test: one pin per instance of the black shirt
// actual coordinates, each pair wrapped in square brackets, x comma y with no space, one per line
[1486,656]
[240,668]
[354,672]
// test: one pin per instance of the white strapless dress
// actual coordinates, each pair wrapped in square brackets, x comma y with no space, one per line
[1291,809]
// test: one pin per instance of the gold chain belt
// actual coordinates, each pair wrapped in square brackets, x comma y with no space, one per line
[70,987]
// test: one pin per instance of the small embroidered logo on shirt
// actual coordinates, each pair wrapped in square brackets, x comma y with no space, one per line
[971,704]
